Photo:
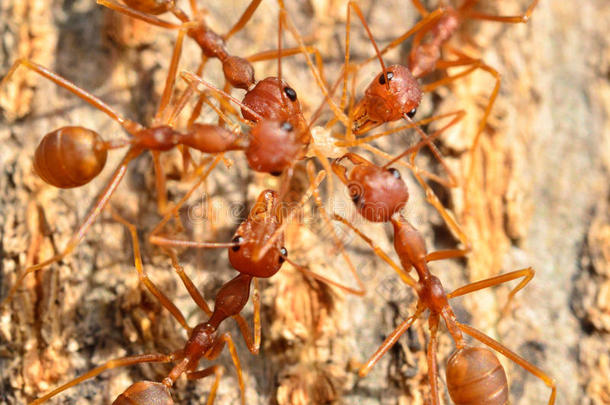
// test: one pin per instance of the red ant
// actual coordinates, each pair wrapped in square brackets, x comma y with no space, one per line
[72,156]
[279,138]
[263,222]
[474,374]
[91,157]
[399,95]
[379,194]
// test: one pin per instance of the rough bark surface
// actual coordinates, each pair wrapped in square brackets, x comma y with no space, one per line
[540,197]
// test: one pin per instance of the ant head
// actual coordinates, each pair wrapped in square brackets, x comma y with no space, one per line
[377,192]
[262,222]
[154,7]
[272,98]
[387,99]
[144,392]
[239,72]
[275,145]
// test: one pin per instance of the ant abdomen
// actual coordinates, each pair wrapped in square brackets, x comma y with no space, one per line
[155,7]
[145,393]
[475,376]
[70,157]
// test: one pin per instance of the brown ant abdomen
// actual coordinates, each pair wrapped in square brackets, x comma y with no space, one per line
[145,393]
[475,376]
[378,193]
[70,157]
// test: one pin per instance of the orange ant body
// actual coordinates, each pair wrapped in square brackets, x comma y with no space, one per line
[474,375]
[395,92]
[262,224]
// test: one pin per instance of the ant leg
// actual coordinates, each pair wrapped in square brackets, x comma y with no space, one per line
[243,20]
[353,5]
[285,18]
[130,126]
[275,53]
[431,358]
[406,278]
[190,78]
[329,226]
[133,13]
[474,64]
[447,216]
[75,239]
[458,115]
[446,254]
[143,277]
[500,348]
[215,351]
[217,370]
[159,182]
[523,18]
[313,189]
[122,362]
[527,274]
[188,283]
[427,140]
[390,341]
[420,8]
[164,241]
[170,79]
[423,23]
[253,343]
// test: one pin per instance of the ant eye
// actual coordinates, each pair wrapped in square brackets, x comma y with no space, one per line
[394,172]
[237,239]
[284,254]
[411,113]
[382,77]
[355,193]
[292,95]
[276,174]
[286,126]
